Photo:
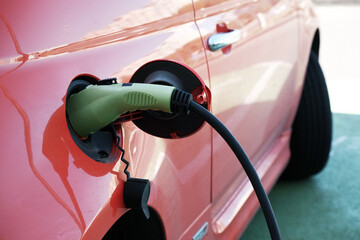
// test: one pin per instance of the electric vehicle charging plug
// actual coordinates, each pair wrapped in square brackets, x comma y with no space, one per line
[97,106]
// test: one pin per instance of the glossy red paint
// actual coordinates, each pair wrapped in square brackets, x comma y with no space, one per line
[259,84]
[52,190]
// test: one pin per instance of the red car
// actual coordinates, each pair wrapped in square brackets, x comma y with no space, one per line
[252,63]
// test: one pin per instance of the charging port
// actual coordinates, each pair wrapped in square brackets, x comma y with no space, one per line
[170,73]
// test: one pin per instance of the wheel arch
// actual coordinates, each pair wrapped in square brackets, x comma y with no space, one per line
[134,222]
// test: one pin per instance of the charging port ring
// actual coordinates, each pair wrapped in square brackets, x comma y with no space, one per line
[168,72]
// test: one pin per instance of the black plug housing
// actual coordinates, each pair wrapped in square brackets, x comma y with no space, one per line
[180,102]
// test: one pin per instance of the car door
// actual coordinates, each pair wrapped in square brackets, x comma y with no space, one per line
[50,188]
[252,82]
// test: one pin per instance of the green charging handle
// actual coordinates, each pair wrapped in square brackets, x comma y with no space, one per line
[99,105]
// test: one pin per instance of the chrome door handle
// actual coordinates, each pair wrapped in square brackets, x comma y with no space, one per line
[221,40]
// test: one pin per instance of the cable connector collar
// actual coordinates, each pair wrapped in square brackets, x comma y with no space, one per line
[180,102]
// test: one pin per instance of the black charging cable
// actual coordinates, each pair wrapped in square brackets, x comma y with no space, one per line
[181,102]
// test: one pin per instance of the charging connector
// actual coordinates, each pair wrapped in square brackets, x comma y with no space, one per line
[97,106]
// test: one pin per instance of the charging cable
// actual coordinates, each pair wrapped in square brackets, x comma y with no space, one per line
[246,164]
[182,102]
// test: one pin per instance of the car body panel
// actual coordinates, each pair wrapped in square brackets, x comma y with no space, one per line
[52,190]
[67,188]
[253,81]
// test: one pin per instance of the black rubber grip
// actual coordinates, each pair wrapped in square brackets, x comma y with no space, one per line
[180,102]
